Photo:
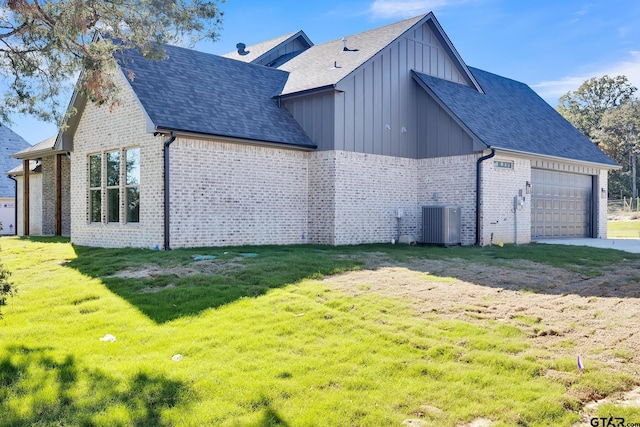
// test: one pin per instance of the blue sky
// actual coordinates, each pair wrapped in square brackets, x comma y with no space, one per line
[551,45]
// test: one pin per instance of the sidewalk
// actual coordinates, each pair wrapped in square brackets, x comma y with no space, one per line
[628,245]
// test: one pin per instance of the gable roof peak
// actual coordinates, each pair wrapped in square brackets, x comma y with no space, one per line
[326,64]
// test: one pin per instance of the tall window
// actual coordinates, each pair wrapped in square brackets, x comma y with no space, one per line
[113,186]
[133,184]
[116,176]
[95,188]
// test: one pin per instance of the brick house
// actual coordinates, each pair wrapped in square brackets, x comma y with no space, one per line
[344,142]
[10,142]
[43,203]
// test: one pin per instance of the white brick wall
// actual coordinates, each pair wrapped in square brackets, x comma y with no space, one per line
[368,191]
[66,196]
[100,129]
[602,203]
[450,181]
[7,215]
[48,193]
[322,200]
[499,188]
[236,194]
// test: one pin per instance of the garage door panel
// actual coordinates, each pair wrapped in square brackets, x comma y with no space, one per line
[561,204]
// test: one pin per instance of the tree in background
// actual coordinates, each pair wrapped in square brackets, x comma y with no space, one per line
[605,110]
[618,136]
[585,106]
[45,44]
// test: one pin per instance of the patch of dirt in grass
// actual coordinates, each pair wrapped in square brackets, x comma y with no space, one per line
[207,266]
[630,398]
[563,313]
[156,289]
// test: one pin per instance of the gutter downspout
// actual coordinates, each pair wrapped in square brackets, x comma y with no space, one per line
[478,192]
[15,205]
[167,143]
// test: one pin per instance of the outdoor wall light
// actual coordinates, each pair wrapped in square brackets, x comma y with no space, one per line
[603,193]
[528,187]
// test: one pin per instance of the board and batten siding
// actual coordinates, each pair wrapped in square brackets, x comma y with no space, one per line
[315,113]
[438,134]
[376,109]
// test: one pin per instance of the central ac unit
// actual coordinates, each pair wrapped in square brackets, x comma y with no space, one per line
[441,225]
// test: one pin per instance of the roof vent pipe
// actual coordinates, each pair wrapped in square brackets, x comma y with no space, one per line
[345,48]
[241,49]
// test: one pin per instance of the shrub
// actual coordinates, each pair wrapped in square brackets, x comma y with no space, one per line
[6,287]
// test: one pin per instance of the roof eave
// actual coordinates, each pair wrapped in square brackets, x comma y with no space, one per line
[236,139]
[557,158]
[36,154]
[291,95]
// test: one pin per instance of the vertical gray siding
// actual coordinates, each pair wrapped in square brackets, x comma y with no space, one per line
[375,109]
[315,115]
[438,134]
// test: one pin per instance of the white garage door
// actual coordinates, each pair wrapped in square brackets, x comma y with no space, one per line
[561,204]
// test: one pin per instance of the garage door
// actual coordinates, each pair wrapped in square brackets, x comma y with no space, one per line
[560,204]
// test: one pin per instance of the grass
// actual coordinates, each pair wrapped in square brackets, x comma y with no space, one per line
[623,229]
[265,343]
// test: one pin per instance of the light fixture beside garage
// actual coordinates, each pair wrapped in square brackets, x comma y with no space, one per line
[528,187]
[603,193]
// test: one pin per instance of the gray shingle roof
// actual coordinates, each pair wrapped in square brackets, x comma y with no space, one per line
[10,143]
[208,94]
[314,68]
[510,115]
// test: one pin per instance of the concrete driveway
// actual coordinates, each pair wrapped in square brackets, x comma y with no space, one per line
[628,245]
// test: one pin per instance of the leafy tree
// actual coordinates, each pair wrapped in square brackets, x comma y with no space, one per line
[604,109]
[44,44]
[585,106]
[619,136]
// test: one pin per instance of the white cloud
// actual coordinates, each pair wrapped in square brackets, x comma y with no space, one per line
[554,89]
[407,8]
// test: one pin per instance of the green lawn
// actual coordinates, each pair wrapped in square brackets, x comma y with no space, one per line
[264,343]
[623,229]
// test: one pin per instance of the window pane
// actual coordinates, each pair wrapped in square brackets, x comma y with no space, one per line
[113,204]
[133,166]
[113,168]
[95,208]
[95,170]
[133,204]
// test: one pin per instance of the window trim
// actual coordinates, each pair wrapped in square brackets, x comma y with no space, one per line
[94,189]
[122,187]
[126,186]
[109,188]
